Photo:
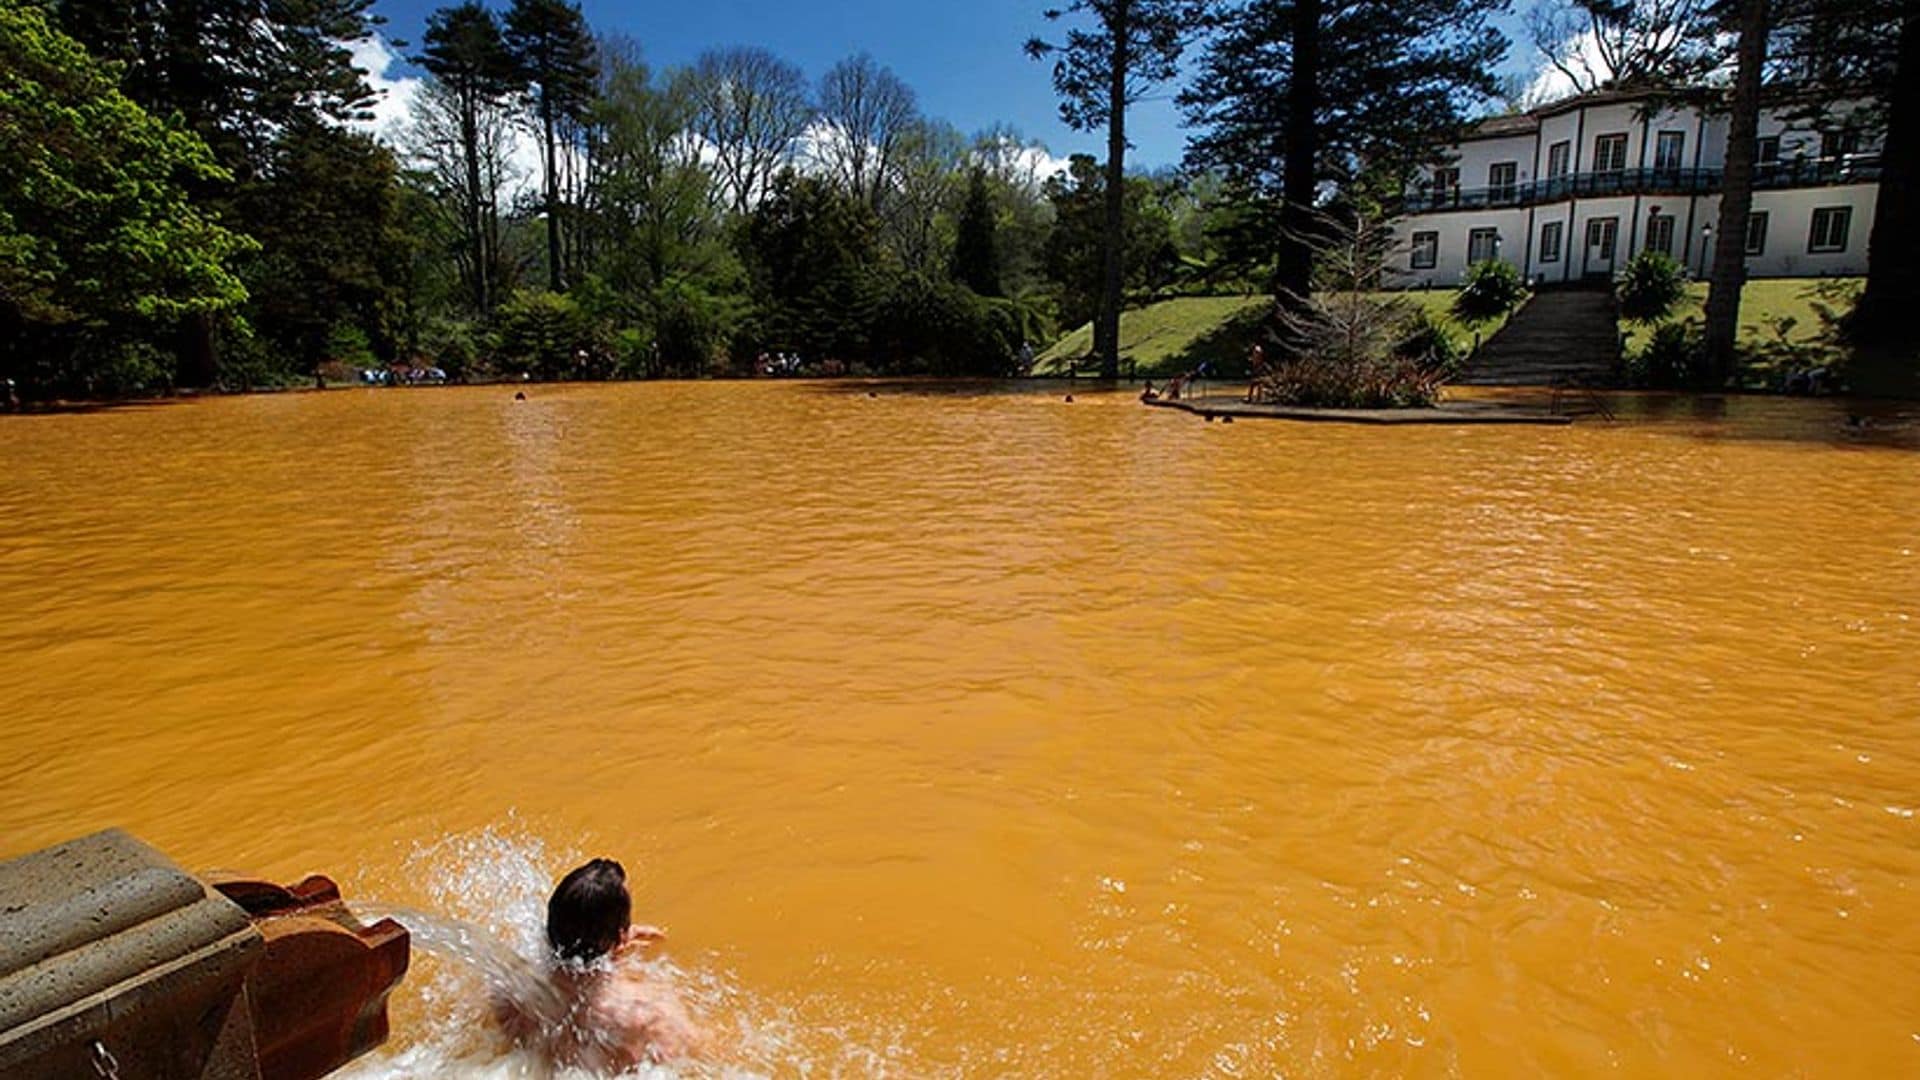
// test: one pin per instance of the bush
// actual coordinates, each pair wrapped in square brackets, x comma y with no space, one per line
[1650,287]
[1672,359]
[1492,289]
[1385,382]
[1426,341]
[547,335]
[348,344]
[452,345]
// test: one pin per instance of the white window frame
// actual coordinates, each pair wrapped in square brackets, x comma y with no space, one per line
[1492,247]
[1502,191]
[1550,253]
[1819,241]
[1666,221]
[1618,139]
[1676,139]
[1428,241]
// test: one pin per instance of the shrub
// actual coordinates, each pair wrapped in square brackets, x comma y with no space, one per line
[452,345]
[1383,382]
[1672,359]
[545,334]
[1650,287]
[1426,341]
[348,344]
[1492,289]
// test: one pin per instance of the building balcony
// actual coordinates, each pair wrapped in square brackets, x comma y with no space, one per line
[1767,176]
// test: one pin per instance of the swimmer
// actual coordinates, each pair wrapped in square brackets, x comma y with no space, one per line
[615,1017]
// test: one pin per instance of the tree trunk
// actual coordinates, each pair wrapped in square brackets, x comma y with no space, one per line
[1106,326]
[197,359]
[1880,322]
[1729,274]
[1293,262]
[553,198]
[470,145]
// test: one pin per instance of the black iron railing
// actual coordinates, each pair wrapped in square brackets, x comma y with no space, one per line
[1767,176]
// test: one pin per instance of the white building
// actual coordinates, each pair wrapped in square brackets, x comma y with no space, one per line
[1573,190]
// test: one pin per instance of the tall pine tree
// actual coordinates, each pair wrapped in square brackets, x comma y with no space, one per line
[464,49]
[976,251]
[1294,96]
[1117,51]
[555,54]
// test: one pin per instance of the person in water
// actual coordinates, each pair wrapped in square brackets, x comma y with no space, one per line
[612,1017]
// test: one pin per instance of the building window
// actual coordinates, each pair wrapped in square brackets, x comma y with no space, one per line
[1557,156]
[1670,151]
[1601,234]
[1843,142]
[1757,233]
[1426,250]
[1550,242]
[1482,245]
[1500,178]
[1830,228]
[1766,150]
[1660,233]
[1446,181]
[1609,153]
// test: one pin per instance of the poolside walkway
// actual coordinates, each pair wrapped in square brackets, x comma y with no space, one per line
[1473,411]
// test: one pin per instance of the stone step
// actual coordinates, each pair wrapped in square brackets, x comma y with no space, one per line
[1567,338]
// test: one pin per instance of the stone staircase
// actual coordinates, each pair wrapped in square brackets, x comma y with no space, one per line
[1562,337]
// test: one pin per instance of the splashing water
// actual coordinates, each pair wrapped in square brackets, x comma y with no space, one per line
[484,940]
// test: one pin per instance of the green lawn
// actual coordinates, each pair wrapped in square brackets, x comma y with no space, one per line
[1172,336]
[1774,313]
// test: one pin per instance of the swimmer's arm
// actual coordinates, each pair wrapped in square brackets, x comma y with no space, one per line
[513,1021]
[645,935]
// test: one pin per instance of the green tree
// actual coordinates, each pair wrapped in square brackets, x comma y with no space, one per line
[1100,69]
[866,115]
[1295,95]
[1077,247]
[100,245]
[465,51]
[976,254]
[1728,277]
[238,71]
[749,107]
[555,55]
[334,251]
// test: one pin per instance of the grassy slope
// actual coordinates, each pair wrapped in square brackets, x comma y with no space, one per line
[1763,302]
[1171,336]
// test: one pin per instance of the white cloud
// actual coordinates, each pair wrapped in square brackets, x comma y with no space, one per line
[393,111]
[394,92]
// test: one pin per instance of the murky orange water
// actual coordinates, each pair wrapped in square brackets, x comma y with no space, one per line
[984,733]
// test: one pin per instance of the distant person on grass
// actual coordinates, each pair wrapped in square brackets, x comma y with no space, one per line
[616,1017]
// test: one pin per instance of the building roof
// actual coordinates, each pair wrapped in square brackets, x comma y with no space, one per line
[1494,127]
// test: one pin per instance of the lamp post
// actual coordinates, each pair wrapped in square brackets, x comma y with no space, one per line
[1706,245]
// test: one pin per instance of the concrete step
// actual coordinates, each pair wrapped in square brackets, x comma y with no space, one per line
[1566,338]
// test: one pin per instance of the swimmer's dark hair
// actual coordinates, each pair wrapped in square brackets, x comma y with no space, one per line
[589,911]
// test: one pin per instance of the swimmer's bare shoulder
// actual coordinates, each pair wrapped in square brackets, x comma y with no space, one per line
[655,1022]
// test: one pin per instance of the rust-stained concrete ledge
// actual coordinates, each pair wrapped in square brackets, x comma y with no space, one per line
[1447,412]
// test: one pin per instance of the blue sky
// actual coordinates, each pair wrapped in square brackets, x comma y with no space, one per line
[964,59]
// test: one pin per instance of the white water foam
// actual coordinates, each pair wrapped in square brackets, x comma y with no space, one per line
[484,936]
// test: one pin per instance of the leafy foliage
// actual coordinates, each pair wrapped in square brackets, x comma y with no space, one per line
[1076,247]
[1355,345]
[1294,95]
[1650,286]
[1492,289]
[976,254]
[546,334]
[101,248]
